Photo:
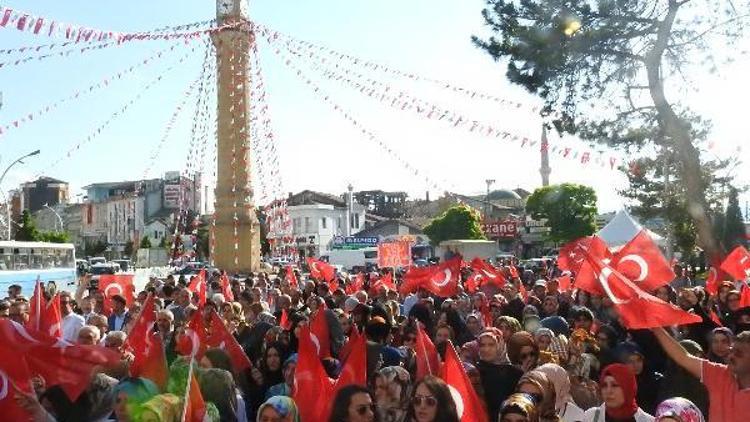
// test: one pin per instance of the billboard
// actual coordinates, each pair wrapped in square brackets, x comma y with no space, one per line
[395,254]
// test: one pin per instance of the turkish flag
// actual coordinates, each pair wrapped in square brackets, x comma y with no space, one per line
[291,277]
[192,342]
[285,323]
[353,371]
[226,288]
[116,284]
[319,332]
[221,337]
[715,318]
[356,285]
[442,280]
[489,273]
[468,405]
[36,307]
[737,263]
[712,281]
[198,286]
[195,406]
[641,261]
[13,372]
[59,362]
[311,383]
[384,281]
[136,340]
[636,308]
[474,281]
[151,362]
[571,256]
[350,342]
[428,360]
[486,313]
[320,270]
[52,318]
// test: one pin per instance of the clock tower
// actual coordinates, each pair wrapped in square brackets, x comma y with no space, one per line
[237,231]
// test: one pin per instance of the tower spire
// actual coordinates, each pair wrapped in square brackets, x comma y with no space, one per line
[545,169]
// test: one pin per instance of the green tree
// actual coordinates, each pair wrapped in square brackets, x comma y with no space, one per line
[55,237]
[27,230]
[570,210]
[95,248]
[145,242]
[733,233]
[577,55]
[163,242]
[457,223]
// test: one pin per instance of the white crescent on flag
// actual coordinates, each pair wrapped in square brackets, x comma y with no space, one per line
[447,278]
[3,385]
[642,264]
[113,286]
[489,274]
[316,342]
[22,332]
[604,279]
[458,400]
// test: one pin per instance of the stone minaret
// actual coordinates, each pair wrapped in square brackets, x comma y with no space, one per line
[545,170]
[237,233]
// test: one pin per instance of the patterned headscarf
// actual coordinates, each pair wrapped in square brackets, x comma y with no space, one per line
[520,403]
[546,404]
[559,378]
[678,408]
[284,406]
[398,387]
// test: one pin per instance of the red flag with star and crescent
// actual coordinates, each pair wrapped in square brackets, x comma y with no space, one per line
[320,270]
[428,360]
[384,281]
[226,287]
[116,284]
[485,273]
[291,277]
[221,337]
[198,286]
[468,405]
[14,374]
[319,332]
[737,263]
[442,280]
[356,285]
[636,308]
[311,383]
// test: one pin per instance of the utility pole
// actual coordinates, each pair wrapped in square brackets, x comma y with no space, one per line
[545,169]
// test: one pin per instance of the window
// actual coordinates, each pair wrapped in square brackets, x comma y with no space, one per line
[356,221]
[307,224]
[324,223]
[156,234]
[338,223]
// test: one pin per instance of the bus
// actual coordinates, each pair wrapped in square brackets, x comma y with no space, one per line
[24,263]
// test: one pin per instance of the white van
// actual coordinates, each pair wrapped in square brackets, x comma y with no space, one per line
[350,258]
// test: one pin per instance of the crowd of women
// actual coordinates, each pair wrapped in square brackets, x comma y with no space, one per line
[532,352]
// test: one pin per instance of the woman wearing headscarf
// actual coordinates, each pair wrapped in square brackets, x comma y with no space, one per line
[508,325]
[678,409]
[540,387]
[720,345]
[519,407]
[278,409]
[392,387]
[565,407]
[619,390]
[523,351]
[499,379]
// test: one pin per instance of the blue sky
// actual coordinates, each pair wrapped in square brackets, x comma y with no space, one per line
[318,149]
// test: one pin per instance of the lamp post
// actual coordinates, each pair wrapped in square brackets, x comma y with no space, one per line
[487,199]
[62,225]
[7,204]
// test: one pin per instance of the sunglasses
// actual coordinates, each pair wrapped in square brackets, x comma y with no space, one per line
[363,409]
[429,401]
[527,355]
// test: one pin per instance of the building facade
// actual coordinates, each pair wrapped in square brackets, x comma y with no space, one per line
[43,191]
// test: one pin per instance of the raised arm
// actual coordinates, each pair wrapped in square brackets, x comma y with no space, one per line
[677,353]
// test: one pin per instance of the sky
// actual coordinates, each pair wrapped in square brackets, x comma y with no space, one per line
[317,148]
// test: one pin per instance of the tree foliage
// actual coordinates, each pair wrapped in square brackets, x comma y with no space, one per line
[145,243]
[54,237]
[27,230]
[457,223]
[95,248]
[570,210]
[733,233]
[603,67]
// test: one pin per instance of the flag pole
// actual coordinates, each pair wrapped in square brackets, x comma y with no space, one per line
[187,390]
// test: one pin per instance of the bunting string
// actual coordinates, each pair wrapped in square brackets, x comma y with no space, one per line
[85,91]
[36,48]
[146,88]
[310,48]
[368,134]
[402,100]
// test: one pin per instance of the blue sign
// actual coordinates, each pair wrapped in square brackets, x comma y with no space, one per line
[355,242]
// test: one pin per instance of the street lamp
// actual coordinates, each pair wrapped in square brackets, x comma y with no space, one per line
[489,183]
[62,225]
[7,204]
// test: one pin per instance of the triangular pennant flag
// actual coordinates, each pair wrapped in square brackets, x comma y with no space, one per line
[223,339]
[285,323]
[428,360]
[319,332]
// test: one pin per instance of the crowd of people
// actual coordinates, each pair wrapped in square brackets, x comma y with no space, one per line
[532,351]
